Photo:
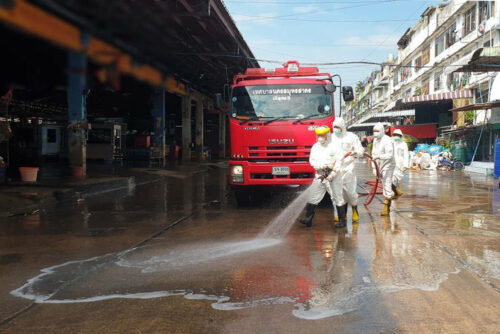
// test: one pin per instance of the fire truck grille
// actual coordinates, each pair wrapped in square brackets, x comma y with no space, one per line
[279,153]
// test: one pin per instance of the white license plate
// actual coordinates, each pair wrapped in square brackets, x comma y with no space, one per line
[281,170]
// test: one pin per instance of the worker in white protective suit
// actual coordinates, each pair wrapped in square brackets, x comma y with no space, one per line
[351,147]
[402,161]
[324,160]
[383,155]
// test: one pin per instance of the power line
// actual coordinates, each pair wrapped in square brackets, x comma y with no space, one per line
[362,62]
[394,31]
[311,2]
[317,20]
[260,17]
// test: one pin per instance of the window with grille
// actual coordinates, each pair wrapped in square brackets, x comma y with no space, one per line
[426,55]
[449,80]
[446,39]
[439,45]
[450,35]
[425,87]
[469,21]
[484,11]
[437,80]
[395,79]
[405,71]
[418,63]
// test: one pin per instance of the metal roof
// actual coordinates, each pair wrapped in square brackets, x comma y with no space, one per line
[478,106]
[367,125]
[197,41]
[395,113]
[459,94]
[483,60]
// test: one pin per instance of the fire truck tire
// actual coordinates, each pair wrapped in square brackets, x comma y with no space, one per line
[243,196]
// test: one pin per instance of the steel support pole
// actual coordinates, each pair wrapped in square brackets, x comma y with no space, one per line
[77,110]
[186,127]
[199,129]
[159,123]
[222,135]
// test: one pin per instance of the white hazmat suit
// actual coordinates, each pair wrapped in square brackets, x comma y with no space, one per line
[347,142]
[322,156]
[402,161]
[383,154]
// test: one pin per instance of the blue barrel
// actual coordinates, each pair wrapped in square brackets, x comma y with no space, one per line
[496,171]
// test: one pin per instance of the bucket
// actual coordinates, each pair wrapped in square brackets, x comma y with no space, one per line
[77,172]
[28,174]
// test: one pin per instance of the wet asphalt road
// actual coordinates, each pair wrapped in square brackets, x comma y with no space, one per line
[166,258]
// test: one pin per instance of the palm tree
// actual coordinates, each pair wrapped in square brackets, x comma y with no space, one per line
[360,86]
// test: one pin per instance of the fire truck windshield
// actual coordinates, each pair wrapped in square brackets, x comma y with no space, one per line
[292,101]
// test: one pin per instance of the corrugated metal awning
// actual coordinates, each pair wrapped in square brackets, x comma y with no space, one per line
[458,94]
[366,125]
[483,60]
[478,106]
[395,113]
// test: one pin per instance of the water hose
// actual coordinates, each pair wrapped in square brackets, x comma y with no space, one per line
[375,184]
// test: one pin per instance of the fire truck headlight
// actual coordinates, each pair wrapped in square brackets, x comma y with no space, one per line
[237,173]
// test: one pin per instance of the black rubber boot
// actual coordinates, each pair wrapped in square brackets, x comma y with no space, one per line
[342,212]
[397,193]
[307,220]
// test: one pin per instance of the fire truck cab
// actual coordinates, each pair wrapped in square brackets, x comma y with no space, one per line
[272,117]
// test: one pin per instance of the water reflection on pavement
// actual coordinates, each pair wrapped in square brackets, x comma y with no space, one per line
[445,225]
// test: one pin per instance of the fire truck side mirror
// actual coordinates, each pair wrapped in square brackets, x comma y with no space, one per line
[347,93]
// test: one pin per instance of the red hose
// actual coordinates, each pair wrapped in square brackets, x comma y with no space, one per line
[375,184]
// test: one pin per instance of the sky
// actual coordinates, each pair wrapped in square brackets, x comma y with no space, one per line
[319,31]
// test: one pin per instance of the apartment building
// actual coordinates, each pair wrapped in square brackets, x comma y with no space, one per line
[423,80]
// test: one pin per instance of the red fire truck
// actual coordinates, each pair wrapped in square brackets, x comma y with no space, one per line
[272,117]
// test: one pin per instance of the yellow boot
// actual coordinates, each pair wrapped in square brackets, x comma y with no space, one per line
[355,215]
[387,208]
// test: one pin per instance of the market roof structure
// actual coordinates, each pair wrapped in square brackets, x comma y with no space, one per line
[195,41]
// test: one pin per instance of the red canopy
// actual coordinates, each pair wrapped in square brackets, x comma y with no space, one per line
[425,131]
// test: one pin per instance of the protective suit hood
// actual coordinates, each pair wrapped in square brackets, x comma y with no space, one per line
[339,122]
[398,132]
[323,131]
[380,128]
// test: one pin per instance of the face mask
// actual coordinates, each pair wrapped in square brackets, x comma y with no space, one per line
[337,132]
[377,134]
[321,140]
[396,138]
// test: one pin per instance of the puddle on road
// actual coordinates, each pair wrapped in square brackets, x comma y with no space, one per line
[400,263]
[346,271]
